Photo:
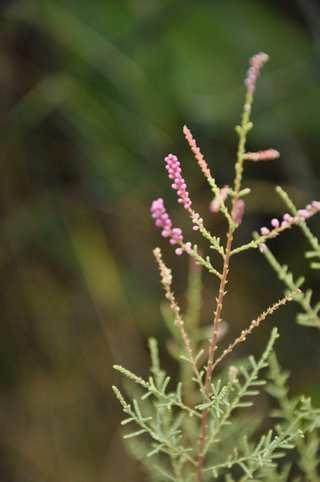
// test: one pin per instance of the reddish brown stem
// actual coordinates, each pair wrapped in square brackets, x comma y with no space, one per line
[211,353]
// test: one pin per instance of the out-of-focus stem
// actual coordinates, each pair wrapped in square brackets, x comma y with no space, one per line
[242,130]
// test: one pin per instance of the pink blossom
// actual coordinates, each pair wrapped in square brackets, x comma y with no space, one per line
[174,172]
[256,63]
[238,210]
[163,221]
[288,220]
[287,217]
[264,231]
[304,213]
[161,217]
[196,151]
[266,155]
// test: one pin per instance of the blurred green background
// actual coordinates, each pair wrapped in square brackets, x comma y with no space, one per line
[93,95]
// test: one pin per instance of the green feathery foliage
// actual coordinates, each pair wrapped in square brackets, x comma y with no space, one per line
[307,448]
[168,452]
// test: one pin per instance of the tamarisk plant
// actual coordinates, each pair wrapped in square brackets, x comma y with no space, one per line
[200,429]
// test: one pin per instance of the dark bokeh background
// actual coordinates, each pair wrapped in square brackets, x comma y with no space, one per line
[93,94]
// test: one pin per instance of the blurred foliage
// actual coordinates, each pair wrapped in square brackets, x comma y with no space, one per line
[93,95]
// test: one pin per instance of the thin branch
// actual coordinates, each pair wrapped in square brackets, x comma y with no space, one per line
[166,281]
[254,324]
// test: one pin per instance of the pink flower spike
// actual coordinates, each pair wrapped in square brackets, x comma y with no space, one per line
[266,155]
[163,221]
[275,223]
[196,151]
[160,215]
[264,231]
[256,63]
[309,210]
[176,235]
[174,172]
[179,251]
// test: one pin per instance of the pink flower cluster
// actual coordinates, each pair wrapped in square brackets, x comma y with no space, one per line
[174,172]
[163,221]
[266,155]
[256,63]
[196,151]
[288,221]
